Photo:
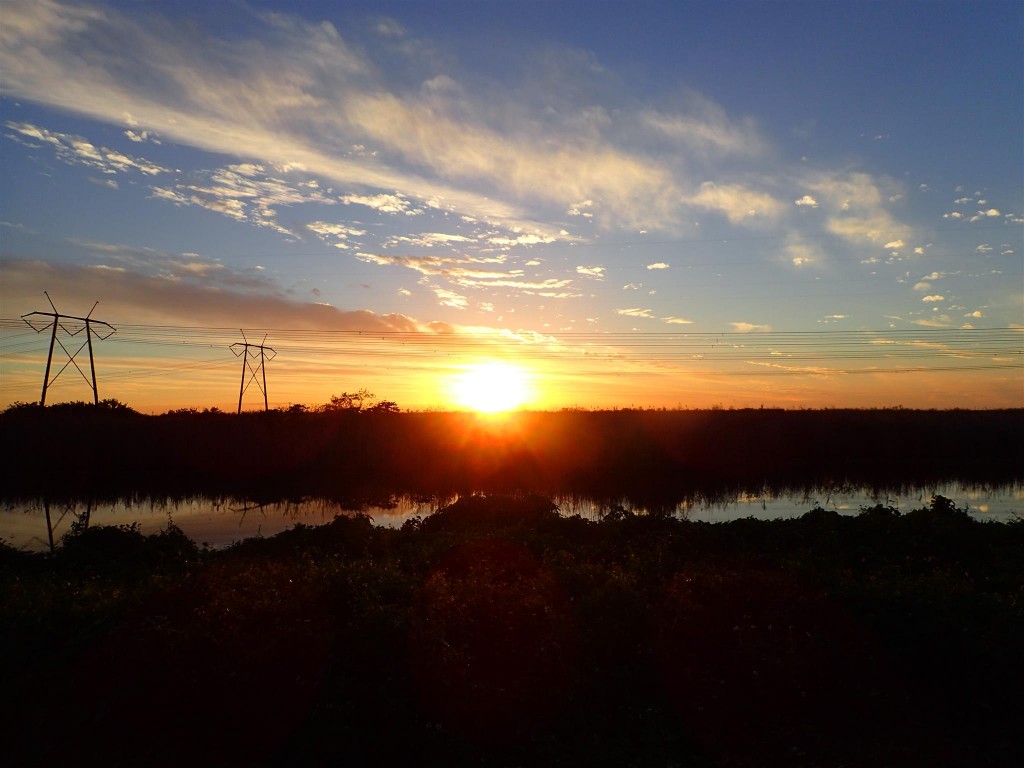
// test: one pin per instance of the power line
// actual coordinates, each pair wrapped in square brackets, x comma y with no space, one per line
[610,354]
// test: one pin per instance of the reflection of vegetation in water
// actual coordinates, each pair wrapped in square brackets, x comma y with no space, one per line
[499,632]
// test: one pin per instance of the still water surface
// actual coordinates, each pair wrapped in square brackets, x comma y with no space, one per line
[220,523]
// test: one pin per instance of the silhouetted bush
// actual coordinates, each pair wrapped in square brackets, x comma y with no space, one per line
[505,634]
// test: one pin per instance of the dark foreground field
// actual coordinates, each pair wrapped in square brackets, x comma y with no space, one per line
[498,633]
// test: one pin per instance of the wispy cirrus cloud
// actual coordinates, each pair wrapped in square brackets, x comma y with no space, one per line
[635,312]
[286,92]
[464,272]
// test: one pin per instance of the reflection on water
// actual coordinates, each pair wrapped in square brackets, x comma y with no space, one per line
[220,523]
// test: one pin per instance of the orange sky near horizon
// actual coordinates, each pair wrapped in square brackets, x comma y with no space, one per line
[158,369]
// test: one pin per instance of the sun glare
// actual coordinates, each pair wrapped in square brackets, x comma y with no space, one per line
[491,387]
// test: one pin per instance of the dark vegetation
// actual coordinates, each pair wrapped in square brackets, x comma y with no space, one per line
[350,449]
[497,632]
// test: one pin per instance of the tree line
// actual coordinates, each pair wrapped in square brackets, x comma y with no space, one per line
[356,446]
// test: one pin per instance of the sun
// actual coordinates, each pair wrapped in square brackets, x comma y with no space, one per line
[491,387]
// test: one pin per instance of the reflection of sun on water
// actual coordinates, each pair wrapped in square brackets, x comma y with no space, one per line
[491,387]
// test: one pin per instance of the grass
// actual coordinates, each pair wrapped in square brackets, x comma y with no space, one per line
[497,632]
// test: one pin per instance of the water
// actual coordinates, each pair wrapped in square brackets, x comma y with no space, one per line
[220,523]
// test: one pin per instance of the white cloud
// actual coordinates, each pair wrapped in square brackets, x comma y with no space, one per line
[975,313]
[581,209]
[933,298]
[464,272]
[990,213]
[450,298]
[751,327]
[595,272]
[396,203]
[857,207]
[799,252]
[337,230]
[658,265]
[530,239]
[807,201]
[677,320]
[894,244]
[74,150]
[738,202]
[634,312]
[922,286]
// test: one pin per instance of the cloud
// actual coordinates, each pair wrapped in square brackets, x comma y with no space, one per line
[856,206]
[396,203]
[799,252]
[245,192]
[340,232]
[677,320]
[894,244]
[450,298]
[284,91]
[580,209]
[990,213]
[75,150]
[464,272]
[595,272]
[751,327]
[211,295]
[530,239]
[706,130]
[634,312]
[428,239]
[933,298]
[738,202]
[658,265]
[807,201]
[922,286]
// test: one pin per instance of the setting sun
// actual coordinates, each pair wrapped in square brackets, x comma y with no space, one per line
[491,387]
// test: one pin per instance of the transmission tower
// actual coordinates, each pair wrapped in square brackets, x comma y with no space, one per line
[56,322]
[249,353]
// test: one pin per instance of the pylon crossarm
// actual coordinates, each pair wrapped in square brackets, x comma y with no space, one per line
[41,314]
[69,332]
[102,336]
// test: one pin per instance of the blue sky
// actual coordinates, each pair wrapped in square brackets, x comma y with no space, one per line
[532,179]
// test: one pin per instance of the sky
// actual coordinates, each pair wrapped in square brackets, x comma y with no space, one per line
[644,204]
